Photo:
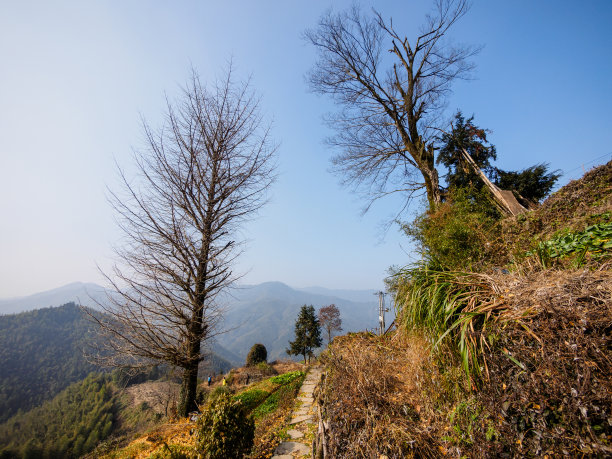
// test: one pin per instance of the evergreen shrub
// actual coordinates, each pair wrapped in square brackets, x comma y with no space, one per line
[225,429]
[257,354]
[461,233]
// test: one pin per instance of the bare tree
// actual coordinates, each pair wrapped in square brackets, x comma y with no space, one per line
[329,318]
[200,176]
[389,105]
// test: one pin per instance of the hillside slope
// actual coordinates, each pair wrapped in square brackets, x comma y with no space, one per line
[41,353]
[511,361]
[70,424]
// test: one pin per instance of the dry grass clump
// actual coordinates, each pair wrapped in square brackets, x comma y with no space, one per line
[550,374]
[373,397]
[534,348]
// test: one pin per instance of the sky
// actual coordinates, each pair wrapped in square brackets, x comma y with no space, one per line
[77,77]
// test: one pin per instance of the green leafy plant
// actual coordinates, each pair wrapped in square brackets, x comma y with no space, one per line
[251,398]
[287,377]
[467,419]
[283,395]
[225,429]
[595,241]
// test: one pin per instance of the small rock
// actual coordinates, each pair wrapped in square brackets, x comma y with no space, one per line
[298,419]
[288,447]
[295,434]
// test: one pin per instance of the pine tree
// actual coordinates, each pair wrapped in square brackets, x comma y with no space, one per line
[307,333]
[532,183]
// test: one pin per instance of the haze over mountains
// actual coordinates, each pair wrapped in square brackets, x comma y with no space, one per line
[42,366]
[266,314]
[76,292]
[263,313]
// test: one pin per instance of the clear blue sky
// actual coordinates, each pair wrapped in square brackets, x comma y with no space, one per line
[75,77]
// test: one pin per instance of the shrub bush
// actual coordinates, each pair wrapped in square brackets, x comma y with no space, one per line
[461,233]
[217,392]
[225,430]
[257,354]
[266,369]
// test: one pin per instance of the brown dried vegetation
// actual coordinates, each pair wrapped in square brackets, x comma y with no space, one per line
[550,377]
[541,338]
[374,399]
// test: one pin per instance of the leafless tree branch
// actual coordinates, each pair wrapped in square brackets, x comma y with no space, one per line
[387,100]
[201,176]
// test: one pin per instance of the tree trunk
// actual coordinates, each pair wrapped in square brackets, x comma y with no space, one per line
[188,391]
[430,175]
[432,185]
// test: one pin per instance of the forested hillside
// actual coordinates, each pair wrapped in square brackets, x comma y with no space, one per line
[41,353]
[67,426]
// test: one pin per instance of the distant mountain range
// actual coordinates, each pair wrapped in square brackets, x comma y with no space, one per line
[77,292]
[263,313]
[42,337]
[266,314]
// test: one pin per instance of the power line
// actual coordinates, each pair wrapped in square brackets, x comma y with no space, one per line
[589,162]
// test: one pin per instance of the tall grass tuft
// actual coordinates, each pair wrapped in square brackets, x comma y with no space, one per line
[452,308]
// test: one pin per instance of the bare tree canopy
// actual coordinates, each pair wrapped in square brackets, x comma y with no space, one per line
[329,318]
[390,104]
[200,176]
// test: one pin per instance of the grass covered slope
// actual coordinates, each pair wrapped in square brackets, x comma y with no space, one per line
[505,356]
[577,206]
[267,402]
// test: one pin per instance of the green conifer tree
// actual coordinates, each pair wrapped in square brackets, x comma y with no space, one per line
[307,333]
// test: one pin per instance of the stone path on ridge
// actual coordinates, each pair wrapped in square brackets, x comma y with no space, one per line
[302,419]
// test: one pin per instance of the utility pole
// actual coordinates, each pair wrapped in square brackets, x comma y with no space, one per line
[381,311]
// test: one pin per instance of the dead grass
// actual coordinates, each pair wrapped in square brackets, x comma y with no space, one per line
[551,372]
[548,391]
[373,397]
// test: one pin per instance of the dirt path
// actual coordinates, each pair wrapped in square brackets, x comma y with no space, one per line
[302,424]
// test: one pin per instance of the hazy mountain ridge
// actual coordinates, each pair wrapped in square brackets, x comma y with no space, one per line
[263,313]
[76,292]
[266,313]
